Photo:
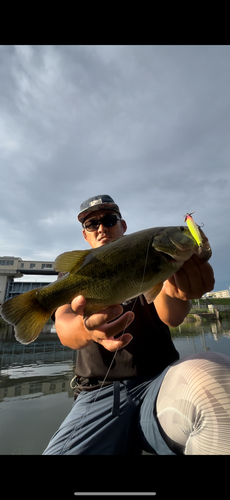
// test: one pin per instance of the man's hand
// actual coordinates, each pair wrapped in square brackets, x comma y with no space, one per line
[193,279]
[77,332]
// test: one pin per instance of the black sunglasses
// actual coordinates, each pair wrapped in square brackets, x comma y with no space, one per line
[109,220]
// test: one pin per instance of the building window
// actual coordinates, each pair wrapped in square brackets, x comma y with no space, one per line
[47,266]
[35,387]
[18,390]
[52,387]
[22,265]
[6,262]
[32,266]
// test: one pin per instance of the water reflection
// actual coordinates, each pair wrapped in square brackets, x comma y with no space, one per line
[41,368]
[190,338]
[35,393]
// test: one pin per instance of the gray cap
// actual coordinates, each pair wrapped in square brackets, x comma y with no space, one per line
[101,201]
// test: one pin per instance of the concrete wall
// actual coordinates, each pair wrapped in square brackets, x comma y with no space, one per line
[3,281]
[15,267]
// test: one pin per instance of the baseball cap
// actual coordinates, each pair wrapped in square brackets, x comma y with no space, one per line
[101,201]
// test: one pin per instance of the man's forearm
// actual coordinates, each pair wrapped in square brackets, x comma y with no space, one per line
[171,311]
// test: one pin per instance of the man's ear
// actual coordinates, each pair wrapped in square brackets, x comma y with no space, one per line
[84,234]
[124,225]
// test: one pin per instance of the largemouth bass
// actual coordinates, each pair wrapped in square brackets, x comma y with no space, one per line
[129,266]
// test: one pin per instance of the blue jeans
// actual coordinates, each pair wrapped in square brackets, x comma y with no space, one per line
[184,410]
[117,419]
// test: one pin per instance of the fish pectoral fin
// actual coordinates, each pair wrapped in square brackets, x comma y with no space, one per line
[151,294]
[70,261]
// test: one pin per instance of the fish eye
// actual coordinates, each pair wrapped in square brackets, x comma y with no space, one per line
[182,228]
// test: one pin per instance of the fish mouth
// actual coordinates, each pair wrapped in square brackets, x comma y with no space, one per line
[175,248]
[182,253]
[181,256]
[167,256]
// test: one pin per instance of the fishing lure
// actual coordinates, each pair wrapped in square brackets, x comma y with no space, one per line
[194,229]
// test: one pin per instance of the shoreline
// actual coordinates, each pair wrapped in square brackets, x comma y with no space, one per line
[206,316]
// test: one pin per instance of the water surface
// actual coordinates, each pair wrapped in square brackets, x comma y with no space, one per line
[35,393]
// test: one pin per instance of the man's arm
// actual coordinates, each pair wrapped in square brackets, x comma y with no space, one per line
[195,278]
[77,333]
[171,311]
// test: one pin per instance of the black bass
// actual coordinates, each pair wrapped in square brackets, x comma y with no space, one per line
[111,274]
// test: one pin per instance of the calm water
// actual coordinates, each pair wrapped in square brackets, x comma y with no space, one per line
[35,393]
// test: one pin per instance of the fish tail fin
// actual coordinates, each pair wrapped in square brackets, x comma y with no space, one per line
[26,314]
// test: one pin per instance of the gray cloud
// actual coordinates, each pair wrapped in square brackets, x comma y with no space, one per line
[148,125]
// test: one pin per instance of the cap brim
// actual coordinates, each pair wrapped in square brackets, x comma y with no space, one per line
[101,206]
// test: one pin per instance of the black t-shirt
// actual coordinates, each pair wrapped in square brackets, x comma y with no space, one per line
[148,353]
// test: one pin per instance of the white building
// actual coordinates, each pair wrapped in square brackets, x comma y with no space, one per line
[218,295]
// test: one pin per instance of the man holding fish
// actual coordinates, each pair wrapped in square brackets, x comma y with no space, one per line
[143,396]
[172,304]
[132,391]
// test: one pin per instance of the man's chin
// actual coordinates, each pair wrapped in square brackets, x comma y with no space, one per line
[105,240]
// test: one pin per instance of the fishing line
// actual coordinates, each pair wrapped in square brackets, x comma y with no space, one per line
[117,349]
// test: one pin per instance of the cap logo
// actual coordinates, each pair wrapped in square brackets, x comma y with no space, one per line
[95,202]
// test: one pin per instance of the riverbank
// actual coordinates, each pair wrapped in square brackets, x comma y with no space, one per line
[198,318]
[220,309]
[206,316]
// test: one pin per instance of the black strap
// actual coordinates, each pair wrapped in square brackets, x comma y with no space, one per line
[116,398]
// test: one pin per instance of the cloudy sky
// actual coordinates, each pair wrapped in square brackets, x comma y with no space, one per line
[149,125]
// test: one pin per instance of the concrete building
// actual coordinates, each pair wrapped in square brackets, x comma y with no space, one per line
[14,267]
[218,295]
[14,287]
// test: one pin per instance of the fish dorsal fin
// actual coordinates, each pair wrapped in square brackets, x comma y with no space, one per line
[151,294]
[70,261]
